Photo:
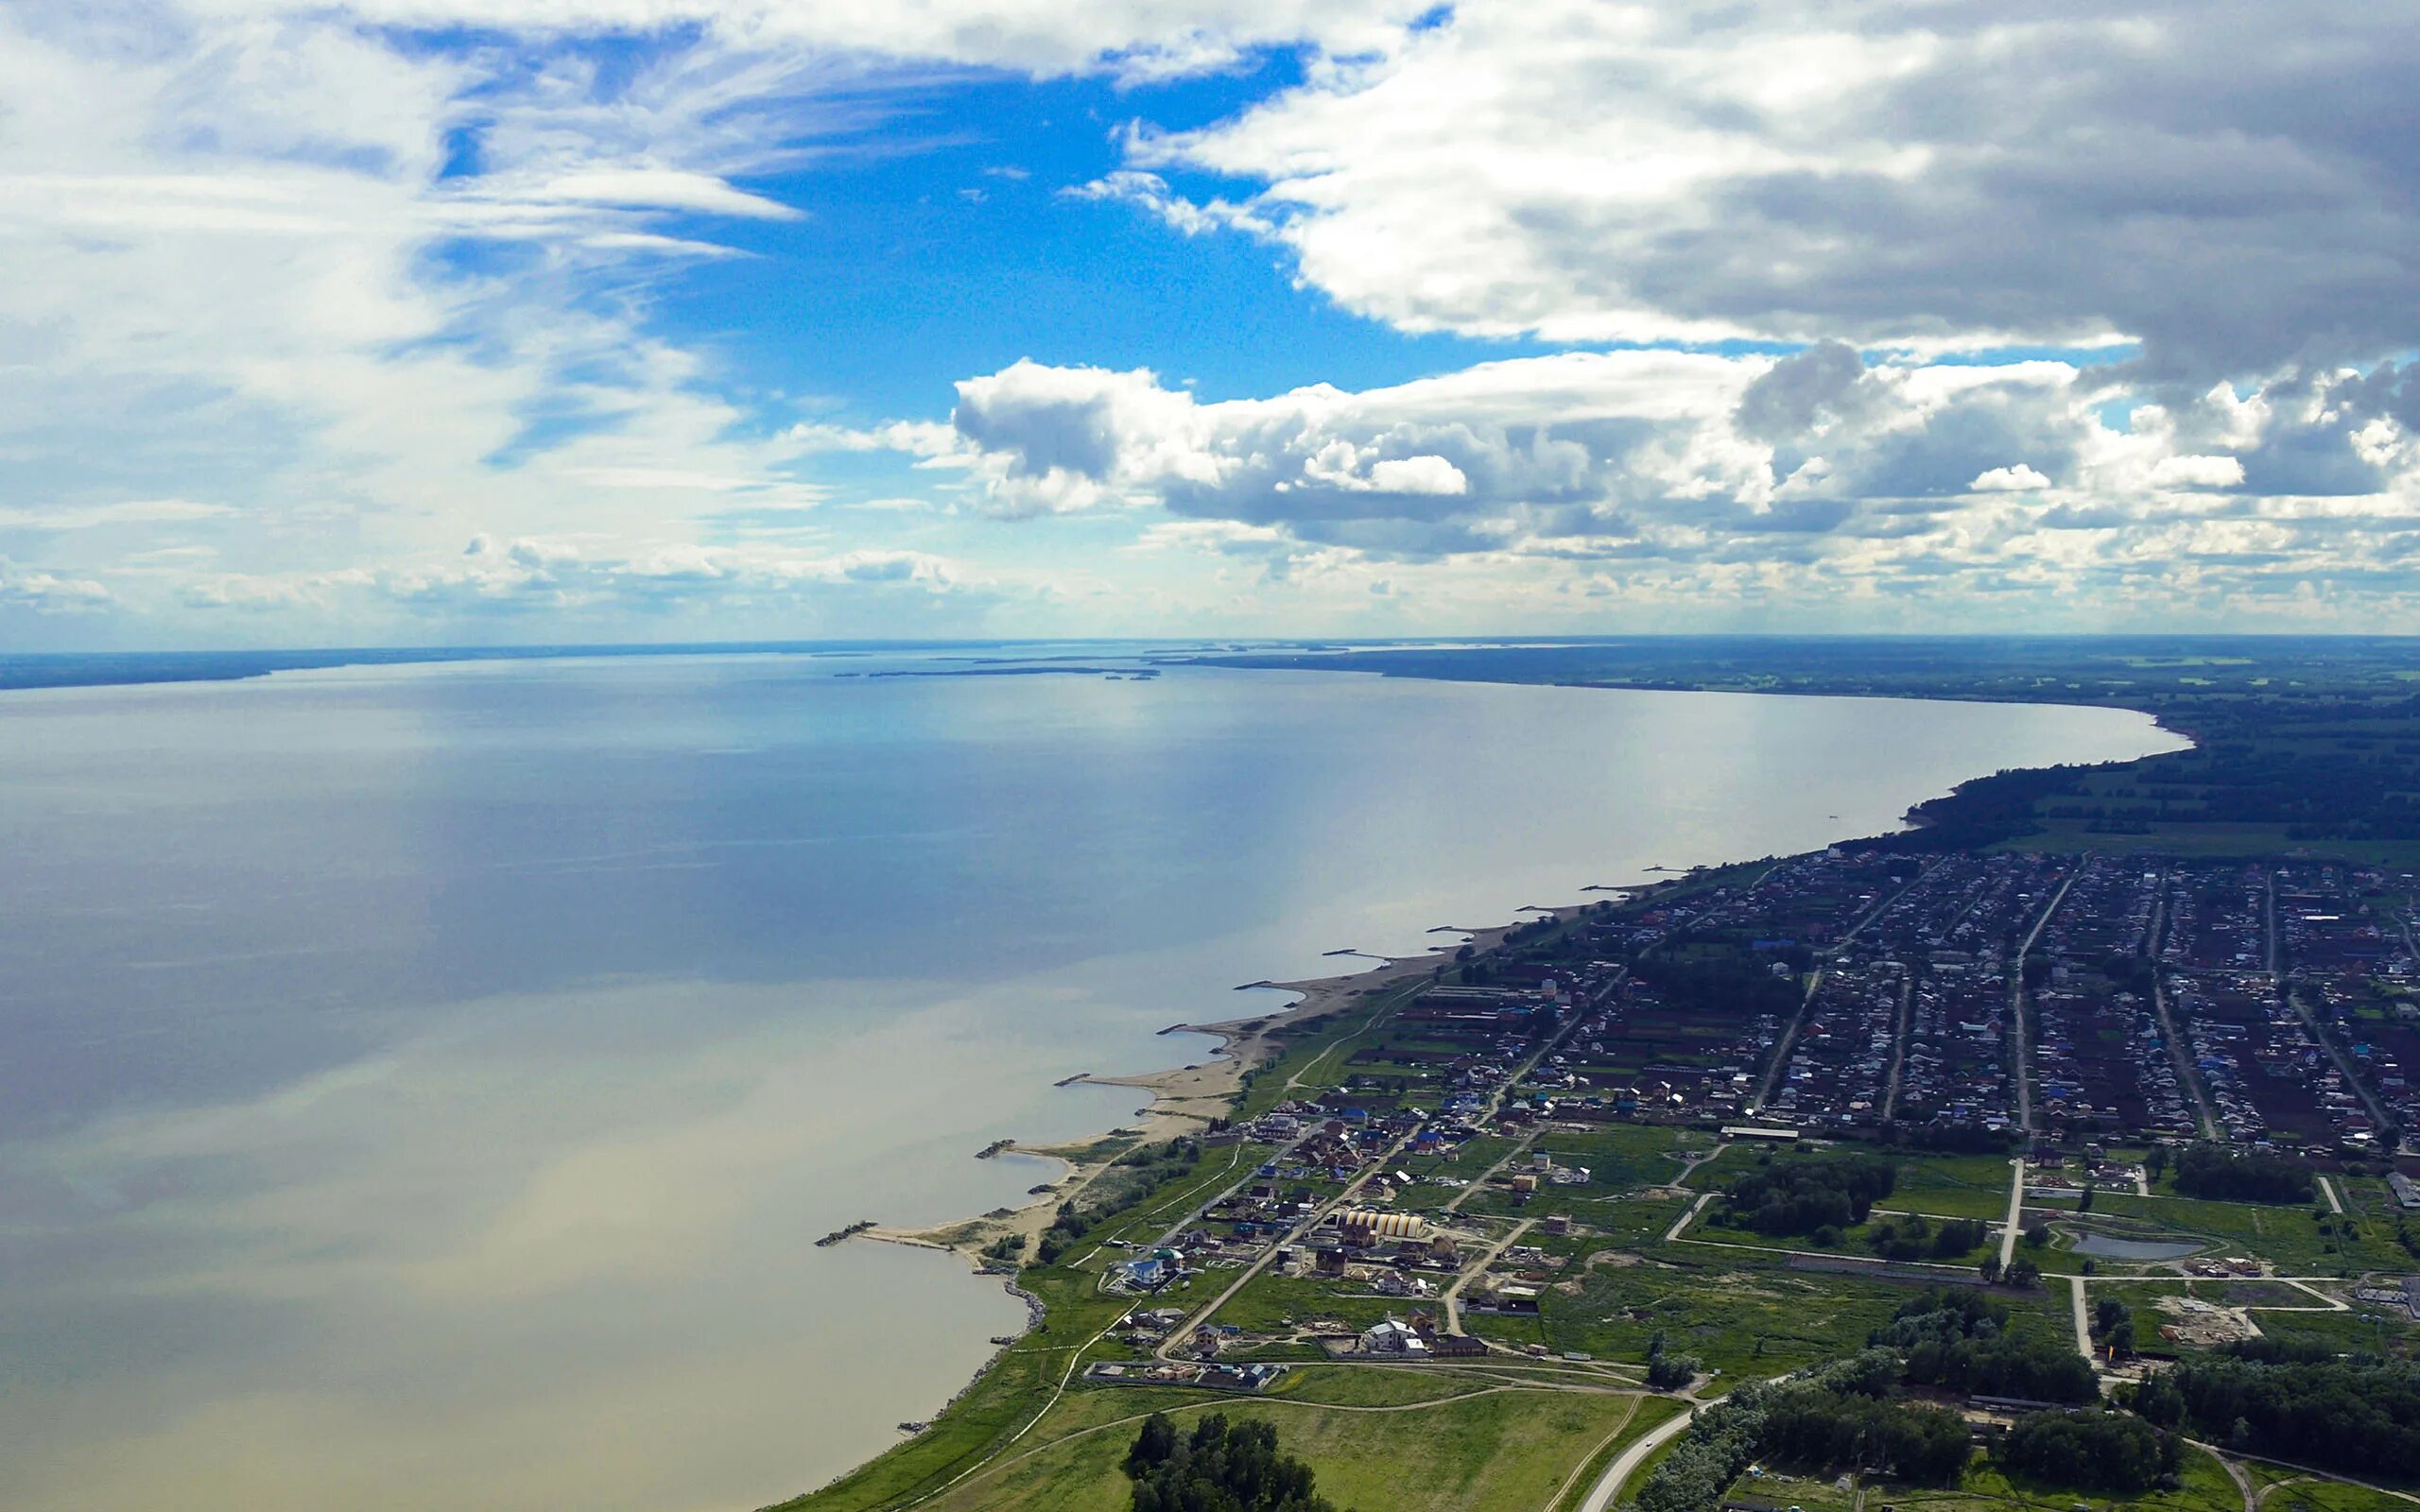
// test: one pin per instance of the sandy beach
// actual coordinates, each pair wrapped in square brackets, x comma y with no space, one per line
[1185,1100]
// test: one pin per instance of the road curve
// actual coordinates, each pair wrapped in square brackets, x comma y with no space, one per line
[1609,1485]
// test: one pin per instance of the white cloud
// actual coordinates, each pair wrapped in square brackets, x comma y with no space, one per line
[1133,40]
[1701,475]
[2017,479]
[124,511]
[2197,473]
[659,189]
[545,577]
[48,592]
[245,265]
[2209,179]
[1150,193]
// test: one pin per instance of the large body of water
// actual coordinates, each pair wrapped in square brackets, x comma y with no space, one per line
[421,1086]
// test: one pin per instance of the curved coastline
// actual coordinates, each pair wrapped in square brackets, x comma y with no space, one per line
[1183,1097]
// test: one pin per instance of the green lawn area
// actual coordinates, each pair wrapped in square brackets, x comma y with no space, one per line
[1856,1243]
[1489,1450]
[2207,1487]
[1622,1157]
[1626,1222]
[2287,1235]
[2364,1328]
[1372,1385]
[1737,1313]
[1270,1303]
[1952,1186]
[2297,1492]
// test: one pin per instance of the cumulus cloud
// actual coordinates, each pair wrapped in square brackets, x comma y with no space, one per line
[48,592]
[1889,479]
[378,275]
[1958,174]
[1150,193]
[2017,479]
[2197,473]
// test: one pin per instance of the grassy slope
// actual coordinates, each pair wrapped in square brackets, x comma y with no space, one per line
[1500,1450]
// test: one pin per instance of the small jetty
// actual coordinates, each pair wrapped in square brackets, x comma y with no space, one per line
[838,1234]
[994,1148]
[912,1427]
[1004,1340]
[1070,1081]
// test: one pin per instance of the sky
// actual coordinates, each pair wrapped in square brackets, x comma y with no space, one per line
[411,321]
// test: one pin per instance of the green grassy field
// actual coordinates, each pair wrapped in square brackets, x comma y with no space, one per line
[1952,1186]
[1740,1314]
[2285,1490]
[2287,1235]
[1488,1450]
[2207,1487]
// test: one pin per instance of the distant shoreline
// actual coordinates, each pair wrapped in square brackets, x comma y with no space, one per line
[34,670]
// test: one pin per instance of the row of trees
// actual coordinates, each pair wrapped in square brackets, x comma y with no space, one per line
[2215,1171]
[1848,1414]
[1916,1237]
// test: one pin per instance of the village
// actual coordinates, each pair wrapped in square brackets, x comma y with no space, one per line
[2135,1110]
[1525,1131]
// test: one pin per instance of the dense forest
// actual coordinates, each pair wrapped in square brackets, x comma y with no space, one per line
[1798,1193]
[2099,1449]
[2357,1416]
[1959,1338]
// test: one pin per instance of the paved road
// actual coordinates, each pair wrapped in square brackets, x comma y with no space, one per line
[1672,1234]
[2023,1047]
[2084,1324]
[1609,1485]
[2016,1214]
[1454,1294]
[1900,1028]
[2188,1074]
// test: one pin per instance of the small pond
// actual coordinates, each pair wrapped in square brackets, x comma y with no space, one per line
[2106,1246]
